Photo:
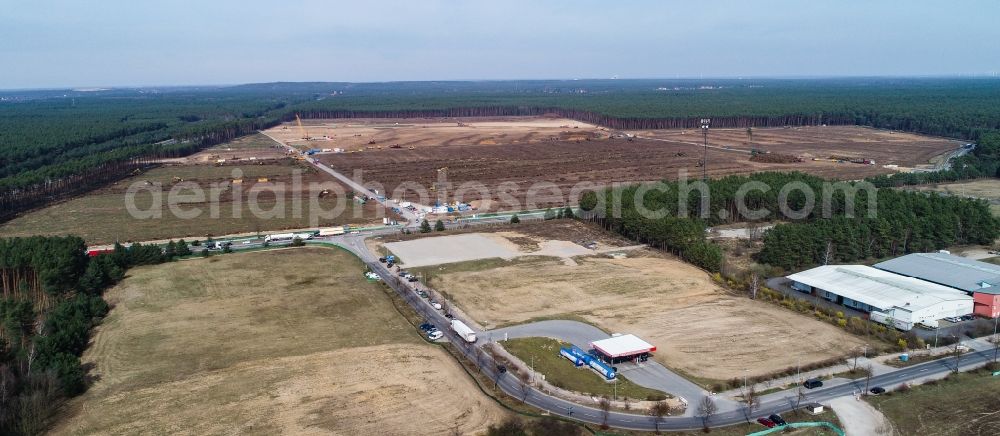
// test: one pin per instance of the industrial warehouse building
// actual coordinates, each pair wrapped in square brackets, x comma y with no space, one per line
[889,298]
[979,279]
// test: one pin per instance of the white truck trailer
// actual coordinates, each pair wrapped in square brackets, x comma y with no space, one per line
[287,237]
[463,330]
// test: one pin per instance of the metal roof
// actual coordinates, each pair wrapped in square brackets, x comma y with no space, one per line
[878,288]
[949,270]
[624,345]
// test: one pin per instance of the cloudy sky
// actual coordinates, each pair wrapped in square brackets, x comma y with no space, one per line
[49,43]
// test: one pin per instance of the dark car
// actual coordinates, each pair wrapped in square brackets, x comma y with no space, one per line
[427,327]
[381,259]
[877,390]
[412,279]
[813,383]
[402,273]
[765,422]
[501,369]
[777,419]
[449,316]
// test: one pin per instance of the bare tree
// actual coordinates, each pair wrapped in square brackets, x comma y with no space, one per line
[754,284]
[751,401]
[958,355]
[753,231]
[800,396]
[605,405]
[828,253]
[868,378]
[658,410]
[706,410]
[524,386]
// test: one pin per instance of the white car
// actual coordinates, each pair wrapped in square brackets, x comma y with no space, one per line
[436,305]
[435,335]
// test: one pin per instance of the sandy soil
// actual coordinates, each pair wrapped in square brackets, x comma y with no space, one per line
[697,327]
[357,134]
[267,351]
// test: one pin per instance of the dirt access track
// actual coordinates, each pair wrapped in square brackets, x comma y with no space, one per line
[245,344]
[698,328]
[525,151]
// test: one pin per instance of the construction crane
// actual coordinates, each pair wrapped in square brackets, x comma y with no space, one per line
[302,130]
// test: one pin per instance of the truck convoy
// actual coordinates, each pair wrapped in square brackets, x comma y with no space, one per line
[287,237]
[463,330]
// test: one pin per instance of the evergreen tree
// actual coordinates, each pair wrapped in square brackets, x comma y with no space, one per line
[439,226]
[514,219]
[425,227]
[183,249]
[170,252]
[568,212]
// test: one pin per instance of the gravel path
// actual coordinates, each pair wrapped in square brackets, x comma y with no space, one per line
[859,418]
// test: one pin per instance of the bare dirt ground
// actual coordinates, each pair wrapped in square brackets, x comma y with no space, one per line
[698,327]
[358,134]
[267,351]
[823,142]
[259,195]
[565,157]
[986,189]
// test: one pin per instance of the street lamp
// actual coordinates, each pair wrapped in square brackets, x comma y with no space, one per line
[704,161]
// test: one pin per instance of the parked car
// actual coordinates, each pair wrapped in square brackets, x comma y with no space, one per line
[412,279]
[968,317]
[449,316]
[381,259]
[812,383]
[765,422]
[435,335]
[423,294]
[402,273]
[877,390]
[436,305]
[426,326]
[777,419]
[953,319]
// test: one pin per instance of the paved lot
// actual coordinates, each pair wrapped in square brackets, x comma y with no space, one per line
[450,249]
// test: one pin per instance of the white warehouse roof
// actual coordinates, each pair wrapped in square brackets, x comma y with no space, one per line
[880,289]
[624,345]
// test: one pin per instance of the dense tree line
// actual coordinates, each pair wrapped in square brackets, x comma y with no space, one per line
[983,161]
[51,300]
[55,144]
[898,222]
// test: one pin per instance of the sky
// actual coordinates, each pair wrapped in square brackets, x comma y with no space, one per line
[77,43]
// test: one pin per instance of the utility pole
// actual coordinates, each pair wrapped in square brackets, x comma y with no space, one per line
[704,162]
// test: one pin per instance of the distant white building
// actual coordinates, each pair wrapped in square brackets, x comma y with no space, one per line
[889,298]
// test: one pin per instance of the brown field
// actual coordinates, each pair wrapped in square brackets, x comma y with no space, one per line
[101,216]
[698,327]
[896,148]
[564,161]
[356,134]
[267,351]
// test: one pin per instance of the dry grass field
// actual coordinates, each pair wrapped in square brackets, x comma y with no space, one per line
[249,344]
[698,328]
[101,216]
